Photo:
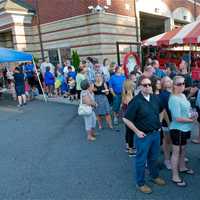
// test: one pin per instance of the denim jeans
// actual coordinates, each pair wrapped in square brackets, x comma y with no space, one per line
[117,99]
[148,149]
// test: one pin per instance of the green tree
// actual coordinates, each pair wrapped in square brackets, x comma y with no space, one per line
[75,60]
[36,59]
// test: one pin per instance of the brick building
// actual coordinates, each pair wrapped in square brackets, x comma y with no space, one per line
[54,28]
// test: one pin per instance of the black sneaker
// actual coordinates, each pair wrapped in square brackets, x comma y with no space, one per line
[126,149]
[132,152]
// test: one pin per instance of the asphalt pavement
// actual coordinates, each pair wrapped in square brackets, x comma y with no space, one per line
[44,155]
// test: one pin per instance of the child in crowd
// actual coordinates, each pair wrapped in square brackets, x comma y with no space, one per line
[49,82]
[71,72]
[34,92]
[12,90]
[65,87]
[58,87]
[127,96]
[58,83]
[27,90]
[72,88]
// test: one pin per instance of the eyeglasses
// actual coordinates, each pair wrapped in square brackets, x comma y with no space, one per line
[180,84]
[146,85]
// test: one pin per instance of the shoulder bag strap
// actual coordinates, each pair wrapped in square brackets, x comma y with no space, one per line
[81,101]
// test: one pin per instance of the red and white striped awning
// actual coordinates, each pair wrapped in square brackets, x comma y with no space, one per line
[188,34]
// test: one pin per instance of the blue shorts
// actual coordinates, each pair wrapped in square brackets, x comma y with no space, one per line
[20,90]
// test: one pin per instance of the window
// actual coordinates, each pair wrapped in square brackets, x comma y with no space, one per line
[53,56]
[59,55]
[65,54]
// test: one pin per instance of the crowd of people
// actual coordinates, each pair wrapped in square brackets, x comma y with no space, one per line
[158,107]
[21,82]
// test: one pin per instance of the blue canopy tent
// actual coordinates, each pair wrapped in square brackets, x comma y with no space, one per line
[10,55]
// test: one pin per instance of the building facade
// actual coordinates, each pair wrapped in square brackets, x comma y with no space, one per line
[54,28]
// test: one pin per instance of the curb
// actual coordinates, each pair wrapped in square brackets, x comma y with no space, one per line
[58,100]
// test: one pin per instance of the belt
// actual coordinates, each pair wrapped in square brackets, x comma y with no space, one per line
[156,130]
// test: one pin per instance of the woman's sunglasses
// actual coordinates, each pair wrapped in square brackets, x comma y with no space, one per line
[180,84]
[146,85]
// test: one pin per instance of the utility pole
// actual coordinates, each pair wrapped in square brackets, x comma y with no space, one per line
[136,21]
[139,48]
[39,29]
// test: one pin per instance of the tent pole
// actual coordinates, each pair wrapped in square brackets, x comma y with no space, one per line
[190,57]
[45,99]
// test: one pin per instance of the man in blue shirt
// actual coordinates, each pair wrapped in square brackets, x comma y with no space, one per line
[29,72]
[116,86]
[29,69]
[158,72]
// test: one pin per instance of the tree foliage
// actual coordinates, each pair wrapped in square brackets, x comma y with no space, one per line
[75,60]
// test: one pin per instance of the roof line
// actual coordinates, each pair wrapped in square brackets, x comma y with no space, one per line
[25,5]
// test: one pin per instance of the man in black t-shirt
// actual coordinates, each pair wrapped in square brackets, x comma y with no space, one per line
[142,117]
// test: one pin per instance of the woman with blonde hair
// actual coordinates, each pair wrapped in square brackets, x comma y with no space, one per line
[180,129]
[103,108]
[127,96]
[166,89]
[128,91]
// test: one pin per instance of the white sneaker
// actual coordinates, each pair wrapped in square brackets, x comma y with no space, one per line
[186,159]
[115,121]
[167,164]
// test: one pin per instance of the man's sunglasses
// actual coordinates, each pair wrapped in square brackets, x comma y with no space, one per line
[146,85]
[180,84]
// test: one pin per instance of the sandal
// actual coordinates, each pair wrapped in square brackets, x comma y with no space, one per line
[187,171]
[180,183]
[94,135]
[91,138]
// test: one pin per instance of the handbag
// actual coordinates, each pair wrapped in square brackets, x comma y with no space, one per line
[84,109]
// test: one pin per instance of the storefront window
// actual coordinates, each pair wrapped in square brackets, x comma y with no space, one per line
[53,56]
[65,54]
[59,55]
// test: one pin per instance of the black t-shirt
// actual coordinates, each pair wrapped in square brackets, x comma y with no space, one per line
[19,79]
[164,98]
[99,89]
[145,114]
[188,80]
